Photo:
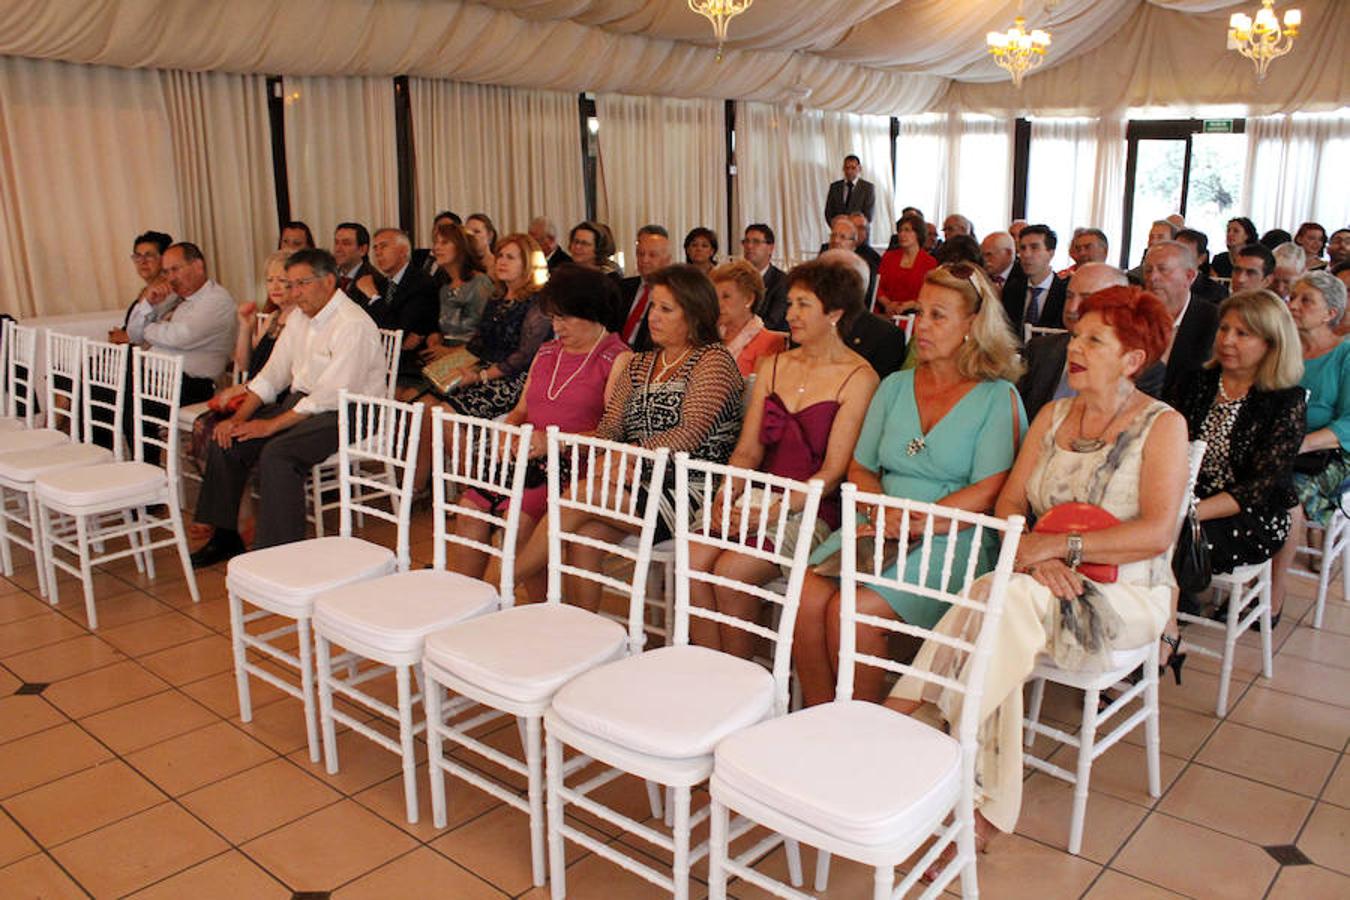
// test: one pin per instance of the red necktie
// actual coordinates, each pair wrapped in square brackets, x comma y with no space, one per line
[630,327]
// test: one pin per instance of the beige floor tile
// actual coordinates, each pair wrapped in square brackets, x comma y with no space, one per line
[174,591]
[52,663]
[138,851]
[229,876]
[69,589]
[38,878]
[420,875]
[596,878]
[1193,860]
[1322,646]
[30,761]
[18,604]
[259,799]
[1115,886]
[191,760]
[1236,806]
[1122,772]
[463,802]
[279,725]
[192,661]
[1047,806]
[1286,714]
[22,715]
[1199,690]
[158,633]
[148,721]
[1336,617]
[14,844]
[1326,837]
[847,878]
[84,801]
[34,632]
[361,763]
[1262,756]
[1338,789]
[1312,680]
[131,605]
[329,847]
[214,613]
[1013,862]
[1182,730]
[496,846]
[8,683]
[93,692]
[219,693]
[1310,883]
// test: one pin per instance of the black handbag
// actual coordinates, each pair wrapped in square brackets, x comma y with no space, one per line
[1314,462]
[1190,559]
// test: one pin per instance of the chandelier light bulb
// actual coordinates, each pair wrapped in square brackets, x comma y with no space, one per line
[719,13]
[1261,39]
[1018,51]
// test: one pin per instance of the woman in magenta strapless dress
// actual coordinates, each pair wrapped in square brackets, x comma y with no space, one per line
[805,411]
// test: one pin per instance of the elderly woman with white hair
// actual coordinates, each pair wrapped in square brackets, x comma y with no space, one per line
[1317,304]
[1290,262]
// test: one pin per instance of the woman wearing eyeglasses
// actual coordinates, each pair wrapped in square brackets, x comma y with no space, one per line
[945,432]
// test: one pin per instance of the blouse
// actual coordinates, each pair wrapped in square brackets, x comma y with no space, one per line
[1327,379]
[899,284]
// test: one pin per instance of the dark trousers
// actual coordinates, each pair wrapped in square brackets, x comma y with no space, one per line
[193,390]
[283,462]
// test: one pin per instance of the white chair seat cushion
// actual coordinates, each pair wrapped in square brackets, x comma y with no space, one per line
[10,423]
[188,415]
[675,702]
[1123,662]
[100,485]
[397,612]
[27,465]
[18,441]
[294,574]
[526,653]
[855,770]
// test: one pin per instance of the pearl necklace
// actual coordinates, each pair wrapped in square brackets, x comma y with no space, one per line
[555,394]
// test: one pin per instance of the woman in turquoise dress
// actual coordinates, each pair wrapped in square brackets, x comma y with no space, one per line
[945,432]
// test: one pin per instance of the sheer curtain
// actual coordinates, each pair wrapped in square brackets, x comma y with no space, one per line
[513,153]
[1076,176]
[1296,170]
[222,150]
[869,138]
[956,163]
[341,153]
[923,164]
[763,178]
[88,164]
[662,161]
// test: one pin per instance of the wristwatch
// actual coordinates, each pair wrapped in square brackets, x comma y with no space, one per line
[1074,558]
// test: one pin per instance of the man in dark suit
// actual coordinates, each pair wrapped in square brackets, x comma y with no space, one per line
[875,339]
[1169,271]
[1034,294]
[757,247]
[1046,355]
[406,297]
[652,253]
[850,194]
[864,246]
[351,244]
[1204,287]
[545,234]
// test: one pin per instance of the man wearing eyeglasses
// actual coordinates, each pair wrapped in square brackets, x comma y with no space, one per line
[757,248]
[288,421]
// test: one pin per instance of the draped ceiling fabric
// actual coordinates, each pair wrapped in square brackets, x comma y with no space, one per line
[512,152]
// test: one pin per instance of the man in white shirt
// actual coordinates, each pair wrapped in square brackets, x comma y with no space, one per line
[200,327]
[288,420]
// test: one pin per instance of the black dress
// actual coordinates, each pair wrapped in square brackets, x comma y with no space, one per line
[1252,443]
[509,334]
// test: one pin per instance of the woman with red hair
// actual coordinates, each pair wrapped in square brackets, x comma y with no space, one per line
[1100,447]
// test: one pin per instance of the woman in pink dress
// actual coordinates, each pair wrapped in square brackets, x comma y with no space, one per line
[565,387]
[902,269]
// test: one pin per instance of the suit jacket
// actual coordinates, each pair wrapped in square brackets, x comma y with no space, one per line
[1209,290]
[862,200]
[773,308]
[628,291]
[1052,304]
[1045,356]
[355,293]
[1193,343]
[878,341]
[414,306]
[558,258]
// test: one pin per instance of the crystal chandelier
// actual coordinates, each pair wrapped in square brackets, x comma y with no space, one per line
[1262,40]
[1018,50]
[720,13]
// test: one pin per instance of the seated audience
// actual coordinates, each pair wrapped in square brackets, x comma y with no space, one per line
[874,338]
[545,234]
[1000,257]
[568,386]
[739,291]
[587,245]
[1248,408]
[1312,237]
[1034,295]
[484,236]
[464,292]
[147,254]
[1338,248]
[409,299]
[945,432]
[1274,238]
[958,249]
[295,236]
[288,420]
[1103,447]
[805,411]
[1169,269]
[652,254]
[863,229]
[757,246]
[957,225]
[903,269]
[684,394]
[844,236]
[1203,287]
[422,257]
[608,263]
[1290,263]
[351,244]
[1239,233]
[1253,268]
[1089,245]
[700,249]
[1318,305]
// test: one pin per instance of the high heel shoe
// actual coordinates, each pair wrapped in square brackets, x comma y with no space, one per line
[1175,660]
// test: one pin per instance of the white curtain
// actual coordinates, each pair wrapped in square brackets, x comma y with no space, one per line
[956,163]
[341,153]
[662,161]
[1297,172]
[923,167]
[222,148]
[764,176]
[88,164]
[867,137]
[1076,177]
[513,153]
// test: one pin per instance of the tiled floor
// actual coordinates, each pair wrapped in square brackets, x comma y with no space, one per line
[124,770]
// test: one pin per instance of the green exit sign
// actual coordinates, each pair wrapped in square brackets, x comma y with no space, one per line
[1218,126]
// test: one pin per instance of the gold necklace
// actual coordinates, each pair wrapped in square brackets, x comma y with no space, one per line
[1084,444]
[666,367]
[555,394]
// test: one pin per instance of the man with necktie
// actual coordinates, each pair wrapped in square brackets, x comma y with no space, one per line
[1035,295]
[850,194]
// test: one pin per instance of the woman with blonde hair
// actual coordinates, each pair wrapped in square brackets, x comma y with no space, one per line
[944,432]
[739,290]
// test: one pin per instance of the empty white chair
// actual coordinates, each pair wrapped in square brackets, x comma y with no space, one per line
[17,410]
[89,494]
[284,580]
[95,363]
[659,715]
[512,662]
[855,778]
[63,362]
[1249,590]
[386,620]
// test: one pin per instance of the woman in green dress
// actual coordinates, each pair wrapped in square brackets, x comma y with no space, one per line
[945,432]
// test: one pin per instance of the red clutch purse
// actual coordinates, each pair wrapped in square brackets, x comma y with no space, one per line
[1080,518]
[229,406]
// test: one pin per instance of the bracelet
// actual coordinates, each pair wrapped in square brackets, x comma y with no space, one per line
[1074,558]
